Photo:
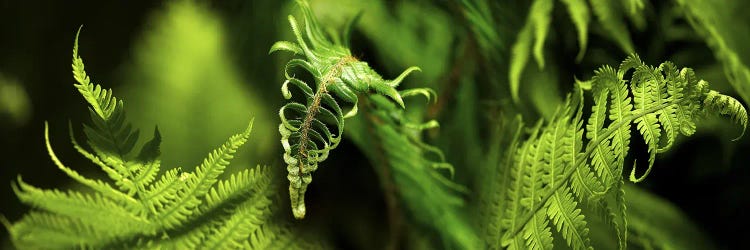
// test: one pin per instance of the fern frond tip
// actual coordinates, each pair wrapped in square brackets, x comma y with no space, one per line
[285,46]
[727,105]
[395,82]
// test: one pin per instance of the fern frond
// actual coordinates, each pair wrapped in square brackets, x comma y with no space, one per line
[562,208]
[602,159]
[339,78]
[173,210]
[245,220]
[515,189]
[234,209]
[112,173]
[245,195]
[257,180]
[491,194]
[96,211]
[149,161]
[110,136]
[666,102]
[726,105]
[163,191]
[536,233]
[42,230]
[569,220]
[583,183]
[101,100]
[97,185]
[199,183]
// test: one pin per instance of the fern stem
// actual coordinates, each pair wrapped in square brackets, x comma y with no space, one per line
[332,74]
[609,131]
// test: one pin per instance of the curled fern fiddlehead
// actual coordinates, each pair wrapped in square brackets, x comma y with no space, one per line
[339,77]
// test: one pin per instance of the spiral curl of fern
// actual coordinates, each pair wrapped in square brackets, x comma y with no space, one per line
[339,77]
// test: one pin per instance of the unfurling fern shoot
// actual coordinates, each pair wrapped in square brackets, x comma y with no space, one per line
[304,128]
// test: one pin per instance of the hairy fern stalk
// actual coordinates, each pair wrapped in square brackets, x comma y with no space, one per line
[561,166]
[140,207]
[304,128]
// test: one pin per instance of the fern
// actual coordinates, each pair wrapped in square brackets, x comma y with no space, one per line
[413,169]
[533,34]
[304,128]
[553,175]
[145,209]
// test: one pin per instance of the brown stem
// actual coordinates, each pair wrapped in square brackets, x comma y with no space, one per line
[332,74]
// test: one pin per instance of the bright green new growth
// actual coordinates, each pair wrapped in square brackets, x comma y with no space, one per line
[304,128]
[145,209]
[557,169]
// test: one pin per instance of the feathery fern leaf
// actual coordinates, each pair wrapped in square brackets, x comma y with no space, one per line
[666,102]
[198,183]
[109,133]
[339,77]
[146,210]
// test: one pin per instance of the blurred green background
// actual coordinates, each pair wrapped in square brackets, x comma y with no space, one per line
[200,69]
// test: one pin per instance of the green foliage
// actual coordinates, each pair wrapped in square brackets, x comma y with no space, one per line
[481,16]
[305,135]
[390,142]
[478,178]
[608,12]
[556,170]
[412,22]
[145,209]
[716,23]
